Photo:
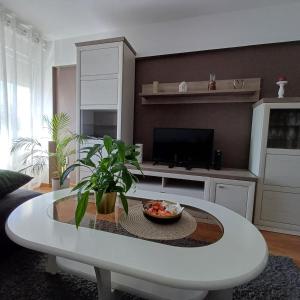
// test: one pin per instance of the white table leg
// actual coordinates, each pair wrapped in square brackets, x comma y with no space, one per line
[103,284]
[51,266]
[220,295]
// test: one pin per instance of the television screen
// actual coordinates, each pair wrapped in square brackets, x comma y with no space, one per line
[183,147]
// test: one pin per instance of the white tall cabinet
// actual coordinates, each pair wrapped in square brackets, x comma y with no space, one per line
[275,159]
[105,89]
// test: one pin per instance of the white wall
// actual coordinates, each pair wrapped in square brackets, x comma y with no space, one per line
[241,28]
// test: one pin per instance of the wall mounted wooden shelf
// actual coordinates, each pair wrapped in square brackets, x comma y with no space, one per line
[198,93]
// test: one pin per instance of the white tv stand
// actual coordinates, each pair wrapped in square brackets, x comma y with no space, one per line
[232,188]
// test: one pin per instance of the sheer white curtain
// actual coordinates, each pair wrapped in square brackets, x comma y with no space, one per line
[21,86]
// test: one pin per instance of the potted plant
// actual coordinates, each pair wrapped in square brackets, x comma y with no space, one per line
[35,157]
[109,176]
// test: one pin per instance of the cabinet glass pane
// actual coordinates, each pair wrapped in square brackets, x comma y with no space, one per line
[284,129]
[97,123]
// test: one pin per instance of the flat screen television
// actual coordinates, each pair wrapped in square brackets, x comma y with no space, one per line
[183,147]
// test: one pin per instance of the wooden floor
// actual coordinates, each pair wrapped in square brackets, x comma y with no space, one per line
[278,243]
[283,244]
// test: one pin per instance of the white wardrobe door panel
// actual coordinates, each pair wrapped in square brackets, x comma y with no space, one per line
[95,92]
[99,61]
[233,197]
[282,170]
[281,207]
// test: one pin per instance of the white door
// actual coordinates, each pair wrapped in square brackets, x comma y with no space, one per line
[234,197]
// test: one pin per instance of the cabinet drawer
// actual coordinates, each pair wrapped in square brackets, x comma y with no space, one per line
[99,61]
[99,91]
[281,207]
[282,170]
[233,197]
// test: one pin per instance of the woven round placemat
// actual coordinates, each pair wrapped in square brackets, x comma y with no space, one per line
[136,224]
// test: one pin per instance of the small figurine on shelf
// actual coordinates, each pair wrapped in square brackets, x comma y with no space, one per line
[281,81]
[182,88]
[212,82]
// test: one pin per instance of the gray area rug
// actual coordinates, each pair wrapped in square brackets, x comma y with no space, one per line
[23,276]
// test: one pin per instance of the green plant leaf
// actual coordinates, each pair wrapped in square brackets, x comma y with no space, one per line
[88,162]
[80,185]
[117,168]
[124,202]
[118,189]
[58,123]
[136,164]
[99,195]
[68,170]
[121,150]
[93,150]
[104,164]
[127,179]
[85,149]
[108,143]
[134,178]
[81,207]
[25,143]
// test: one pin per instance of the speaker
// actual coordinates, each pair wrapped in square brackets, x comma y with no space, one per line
[218,160]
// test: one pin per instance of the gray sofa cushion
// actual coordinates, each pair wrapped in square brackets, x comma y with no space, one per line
[7,204]
[10,181]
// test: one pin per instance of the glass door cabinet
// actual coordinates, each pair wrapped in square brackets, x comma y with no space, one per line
[284,129]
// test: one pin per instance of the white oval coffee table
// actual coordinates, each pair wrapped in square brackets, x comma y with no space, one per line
[239,256]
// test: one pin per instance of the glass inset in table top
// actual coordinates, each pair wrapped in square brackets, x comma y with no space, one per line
[204,228]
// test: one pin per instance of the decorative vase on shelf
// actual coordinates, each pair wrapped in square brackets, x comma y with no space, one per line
[281,82]
[238,83]
[212,82]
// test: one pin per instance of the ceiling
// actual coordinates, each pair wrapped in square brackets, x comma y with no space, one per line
[58,19]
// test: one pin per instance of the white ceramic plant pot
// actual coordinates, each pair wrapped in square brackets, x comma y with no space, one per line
[55,184]
[140,156]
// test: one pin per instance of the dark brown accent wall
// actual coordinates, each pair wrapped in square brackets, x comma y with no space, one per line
[232,122]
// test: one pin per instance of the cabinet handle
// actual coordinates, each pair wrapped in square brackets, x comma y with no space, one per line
[221,186]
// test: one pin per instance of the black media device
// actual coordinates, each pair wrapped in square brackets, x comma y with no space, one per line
[184,147]
[218,160]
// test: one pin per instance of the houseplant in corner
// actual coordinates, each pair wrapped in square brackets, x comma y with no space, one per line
[35,158]
[110,176]
[63,141]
